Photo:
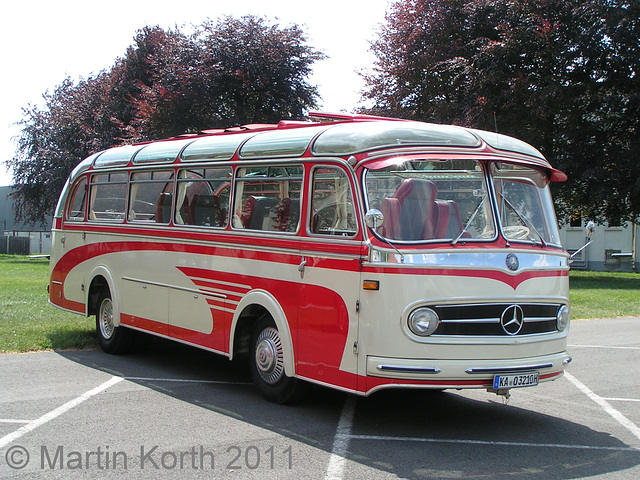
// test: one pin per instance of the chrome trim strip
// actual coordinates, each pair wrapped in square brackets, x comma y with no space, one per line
[492,259]
[497,320]
[183,289]
[539,319]
[523,368]
[472,320]
[408,369]
[567,361]
[498,304]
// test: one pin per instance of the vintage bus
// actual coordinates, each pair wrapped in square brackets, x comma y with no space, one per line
[354,252]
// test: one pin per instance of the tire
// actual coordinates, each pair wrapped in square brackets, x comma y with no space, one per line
[267,365]
[112,339]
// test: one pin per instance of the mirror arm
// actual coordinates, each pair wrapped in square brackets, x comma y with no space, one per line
[371,218]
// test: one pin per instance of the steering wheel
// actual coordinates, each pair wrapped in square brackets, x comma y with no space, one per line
[486,234]
[516,232]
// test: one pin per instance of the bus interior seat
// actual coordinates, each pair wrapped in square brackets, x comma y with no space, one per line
[187,213]
[390,209]
[449,222]
[416,201]
[206,211]
[163,208]
[247,211]
[444,217]
[261,211]
[282,215]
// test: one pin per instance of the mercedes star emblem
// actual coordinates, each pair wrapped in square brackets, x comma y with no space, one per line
[512,319]
[512,262]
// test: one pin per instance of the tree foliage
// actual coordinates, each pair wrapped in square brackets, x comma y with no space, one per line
[560,74]
[229,72]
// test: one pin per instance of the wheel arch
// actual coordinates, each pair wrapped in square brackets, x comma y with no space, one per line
[99,278]
[249,310]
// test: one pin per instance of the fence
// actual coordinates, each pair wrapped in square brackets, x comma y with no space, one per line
[15,245]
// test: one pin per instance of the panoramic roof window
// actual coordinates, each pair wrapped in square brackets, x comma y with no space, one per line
[116,156]
[279,143]
[161,152]
[360,137]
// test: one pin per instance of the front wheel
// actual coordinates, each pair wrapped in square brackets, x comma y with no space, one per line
[267,365]
[112,339]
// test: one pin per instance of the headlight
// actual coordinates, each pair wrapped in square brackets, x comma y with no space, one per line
[562,318]
[423,322]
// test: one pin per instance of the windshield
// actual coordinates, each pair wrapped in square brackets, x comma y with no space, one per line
[431,200]
[524,203]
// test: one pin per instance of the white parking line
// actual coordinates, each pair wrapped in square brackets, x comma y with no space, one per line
[47,417]
[619,417]
[335,469]
[492,443]
[622,399]
[12,420]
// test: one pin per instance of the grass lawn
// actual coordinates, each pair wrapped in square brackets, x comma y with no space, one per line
[604,294]
[28,322]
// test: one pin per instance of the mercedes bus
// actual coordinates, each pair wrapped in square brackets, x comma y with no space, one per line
[355,252]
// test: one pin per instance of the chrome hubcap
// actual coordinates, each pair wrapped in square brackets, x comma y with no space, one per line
[106,318]
[269,358]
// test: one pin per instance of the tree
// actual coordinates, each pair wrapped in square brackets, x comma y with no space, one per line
[560,74]
[234,71]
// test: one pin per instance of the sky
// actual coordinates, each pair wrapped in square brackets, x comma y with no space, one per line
[44,42]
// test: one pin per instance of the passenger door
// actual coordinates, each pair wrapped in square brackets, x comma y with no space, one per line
[330,274]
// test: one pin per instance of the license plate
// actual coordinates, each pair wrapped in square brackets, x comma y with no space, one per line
[528,379]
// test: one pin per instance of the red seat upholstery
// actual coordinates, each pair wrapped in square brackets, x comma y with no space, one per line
[418,211]
[163,208]
[283,210]
[390,208]
[247,211]
[444,215]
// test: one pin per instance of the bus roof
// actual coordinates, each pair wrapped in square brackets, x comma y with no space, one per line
[329,135]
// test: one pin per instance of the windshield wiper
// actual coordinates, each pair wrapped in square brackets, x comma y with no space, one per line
[526,222]
[473,216]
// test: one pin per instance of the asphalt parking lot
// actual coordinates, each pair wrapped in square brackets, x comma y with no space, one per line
[169,411]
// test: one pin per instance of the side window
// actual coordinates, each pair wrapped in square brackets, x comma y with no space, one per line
[107,197]
[203,197]
[150,197]
[76,208]
[332,208]
[268,198]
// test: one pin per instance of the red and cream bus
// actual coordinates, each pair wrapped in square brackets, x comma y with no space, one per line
[354,252]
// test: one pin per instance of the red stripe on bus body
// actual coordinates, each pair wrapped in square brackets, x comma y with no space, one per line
[214,340]
[144,324]
[238,238]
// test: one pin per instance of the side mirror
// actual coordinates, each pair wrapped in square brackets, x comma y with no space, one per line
[373,218]
[589,229]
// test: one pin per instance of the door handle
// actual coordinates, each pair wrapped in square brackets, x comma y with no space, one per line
[302,266]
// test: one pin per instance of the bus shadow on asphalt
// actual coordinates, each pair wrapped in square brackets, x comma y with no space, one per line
[409,433]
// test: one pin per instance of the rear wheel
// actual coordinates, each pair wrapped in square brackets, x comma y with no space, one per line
[112,339]
[267,365]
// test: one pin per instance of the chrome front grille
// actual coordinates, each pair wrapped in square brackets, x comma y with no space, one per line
[485,319]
